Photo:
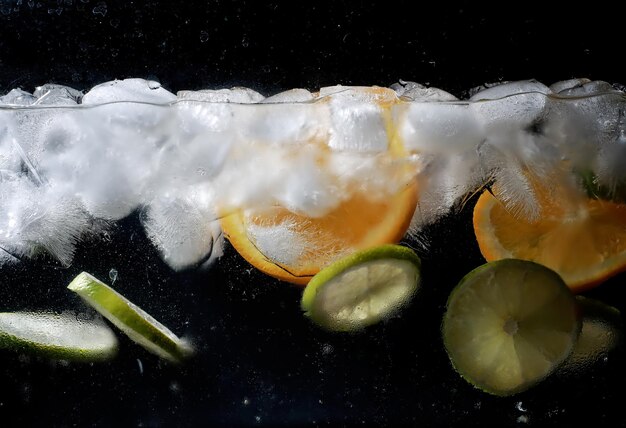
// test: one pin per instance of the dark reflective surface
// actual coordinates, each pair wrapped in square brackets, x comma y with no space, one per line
[259,362]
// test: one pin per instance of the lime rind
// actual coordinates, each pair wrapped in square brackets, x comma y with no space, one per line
[474,327]
[138,325]
[63,336]
[363,288]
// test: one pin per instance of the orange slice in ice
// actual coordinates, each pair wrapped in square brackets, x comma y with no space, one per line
[301,246]
[293,247]
[582,239]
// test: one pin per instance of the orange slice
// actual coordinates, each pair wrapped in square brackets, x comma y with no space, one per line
[293,247]
[582,239]
[301,246]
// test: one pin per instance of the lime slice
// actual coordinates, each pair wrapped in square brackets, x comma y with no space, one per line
[509,324]
[132,320]
[601,333]
[64,336]
[362,288]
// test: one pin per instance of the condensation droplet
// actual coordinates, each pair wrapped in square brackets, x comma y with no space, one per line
[100,9]
[113,275]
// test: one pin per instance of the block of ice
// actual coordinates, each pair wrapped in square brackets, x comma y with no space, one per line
[185,230]
[234,95]
[283,124]
[564,85]
[53,94]
[412,91]
[585,88]
[136,90]
[34,218]
[443,180]
[17,97]
[511,106]
[494,92]
[438,128]
[290,96]
[357,118]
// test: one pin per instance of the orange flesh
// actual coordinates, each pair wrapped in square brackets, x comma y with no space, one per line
[355,224]
[583,240]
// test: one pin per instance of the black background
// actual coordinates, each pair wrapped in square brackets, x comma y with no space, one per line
[260,363]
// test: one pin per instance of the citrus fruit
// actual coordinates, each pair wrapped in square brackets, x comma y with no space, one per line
[582,239]
[64,336]
[293,246]
[362,288]
[509,324]
[132,320]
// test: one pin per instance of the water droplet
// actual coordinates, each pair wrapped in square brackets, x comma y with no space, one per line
[204,36]
[113,275]
[246,401]
[201,171]
[100,9]
[519,406]
[245,43]
[115,23]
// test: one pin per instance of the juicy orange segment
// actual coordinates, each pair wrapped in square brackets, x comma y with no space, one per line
[584,240]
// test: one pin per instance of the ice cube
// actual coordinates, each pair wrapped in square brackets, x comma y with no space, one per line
[443,181]
[283,124]
[438,128]
[106,154]
[53,94]
[568,84]
[515,105]
[596,87]
[184,229]
[412,91]
[135,90]
[499,91]
[290,96]
[36,218]
[357,122]
[234,95]
[17,97]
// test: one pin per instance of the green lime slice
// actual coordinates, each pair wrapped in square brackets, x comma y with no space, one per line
[601,333]
[128,317]
[509,324]
[64,336]
[362,288]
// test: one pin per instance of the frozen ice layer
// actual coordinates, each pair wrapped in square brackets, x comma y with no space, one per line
[70,159]
[135,90]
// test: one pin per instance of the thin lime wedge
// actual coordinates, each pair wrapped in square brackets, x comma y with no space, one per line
[128,317]
[363,288]
[64,336]
[509,324]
